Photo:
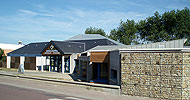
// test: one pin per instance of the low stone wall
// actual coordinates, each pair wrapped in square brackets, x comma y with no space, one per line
[156,75]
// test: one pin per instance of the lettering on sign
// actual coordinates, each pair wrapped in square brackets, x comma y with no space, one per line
[52,52]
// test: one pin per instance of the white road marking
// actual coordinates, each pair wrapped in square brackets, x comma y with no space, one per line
[55,99]
[73,98]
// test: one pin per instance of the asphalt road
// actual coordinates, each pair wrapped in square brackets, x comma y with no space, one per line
[8,92]
[12,88]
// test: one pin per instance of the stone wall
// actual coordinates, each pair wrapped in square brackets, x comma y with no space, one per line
[156,75]
[186,76]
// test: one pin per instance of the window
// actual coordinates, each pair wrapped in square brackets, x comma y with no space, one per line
[84,54]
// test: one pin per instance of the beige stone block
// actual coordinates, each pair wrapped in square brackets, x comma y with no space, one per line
[155,70]
[186,94]
[186,58]
[134,79]
[165,81]
[144,90]
[186,82]
[130,90]
[176,70]
[186,61]
[135,69]
[126,79]
[125,58]
[165,70]
[186,73]
[186,67]
[172,82]
[175,94]
[165,93]
[155,81]
[175,82]
[145,79]
[178,58]
[145,69]
[155,92]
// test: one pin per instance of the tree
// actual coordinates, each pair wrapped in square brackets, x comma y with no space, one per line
[170,25]
[93,30]
[125,33]
[151,29]
[1,53]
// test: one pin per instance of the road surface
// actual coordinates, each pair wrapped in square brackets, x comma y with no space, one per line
[8,92]
[12,88]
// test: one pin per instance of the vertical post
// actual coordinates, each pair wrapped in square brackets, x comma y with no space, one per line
[8,62]
[48,63]
[53,64]
[22,60]
[63,64]
[42,61]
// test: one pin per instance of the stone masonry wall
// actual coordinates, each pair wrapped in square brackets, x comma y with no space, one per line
[186,76]
[156,75]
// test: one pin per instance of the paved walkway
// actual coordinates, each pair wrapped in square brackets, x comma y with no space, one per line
[58,77]
[50,75]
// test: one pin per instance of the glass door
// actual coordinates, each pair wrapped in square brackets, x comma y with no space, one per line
[56,63]
[67,64]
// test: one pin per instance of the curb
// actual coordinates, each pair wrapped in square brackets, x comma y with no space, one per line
[62,81]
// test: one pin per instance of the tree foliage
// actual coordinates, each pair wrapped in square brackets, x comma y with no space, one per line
[93,30]
[1,53]
[170,25]
[125,33]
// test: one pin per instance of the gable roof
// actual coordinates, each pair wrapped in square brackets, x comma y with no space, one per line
[67,47]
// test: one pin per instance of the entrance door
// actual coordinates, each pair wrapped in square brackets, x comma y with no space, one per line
[56,63]
[100,72]
[67,64]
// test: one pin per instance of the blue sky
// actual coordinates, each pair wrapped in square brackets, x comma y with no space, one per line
[45,20]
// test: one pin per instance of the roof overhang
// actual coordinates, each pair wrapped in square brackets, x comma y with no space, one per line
[155,50]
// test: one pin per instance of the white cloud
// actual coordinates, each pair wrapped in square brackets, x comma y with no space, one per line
[59,24]
[28,12]
[32,13]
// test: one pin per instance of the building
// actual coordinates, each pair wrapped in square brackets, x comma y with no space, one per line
[56,56]
[7,48]
[157,70]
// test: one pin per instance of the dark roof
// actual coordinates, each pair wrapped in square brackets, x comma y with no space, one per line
[32,49]
[92,37]
[94,42]
[36,49]
[67,47]
[77,44]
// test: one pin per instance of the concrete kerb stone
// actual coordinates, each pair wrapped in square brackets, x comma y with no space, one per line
[98,87]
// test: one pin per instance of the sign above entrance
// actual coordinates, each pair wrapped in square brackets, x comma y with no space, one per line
[51,50]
